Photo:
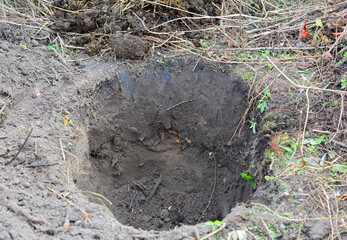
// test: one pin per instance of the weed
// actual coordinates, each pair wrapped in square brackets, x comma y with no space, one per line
[50,47]
[25,47]
[214,226]
[253,125]
[250,179]
[344,82]
[263,102]
[343,60]
[262,105]
[160,61]
[203,43]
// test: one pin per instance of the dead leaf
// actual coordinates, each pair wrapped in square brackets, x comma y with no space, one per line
[337,35]
[169,208]
[66,227]
[328,56]
[343,197]
[333,2]
[304,32]
[65,121]
[188,141]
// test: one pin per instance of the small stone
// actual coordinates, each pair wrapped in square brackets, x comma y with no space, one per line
[167,220]
[164,213]
[96,236]
[22,203]
[5,235]
[142,200]
[26,184]
[34,43]
[78,223]
[160,224]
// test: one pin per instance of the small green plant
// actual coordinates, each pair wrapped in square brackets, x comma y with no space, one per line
[50,47]
[25,47]
[214,226]
[253,125]
[344,59]
[203,43]
[160,61]
[263,102]
[344,83]
[249,179]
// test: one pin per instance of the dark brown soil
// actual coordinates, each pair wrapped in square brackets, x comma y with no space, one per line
[172,123]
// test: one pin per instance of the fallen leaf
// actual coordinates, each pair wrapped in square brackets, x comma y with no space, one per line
[192,238]
[169,208]
[328,56]
[304,32]
[343,197]
[188,141]
[337,35]
[224,180]
[65,121]
[319,22]
[228,52]
[66,227]
[333,2]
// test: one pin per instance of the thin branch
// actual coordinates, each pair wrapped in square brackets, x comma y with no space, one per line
[20,149]
[304,87]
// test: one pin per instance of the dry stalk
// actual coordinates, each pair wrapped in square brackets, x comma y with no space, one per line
[302,86]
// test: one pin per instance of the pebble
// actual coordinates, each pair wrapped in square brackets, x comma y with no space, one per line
[26,184]
[35,43]
[4,46]
[164,213]
[142,200]
[5,235]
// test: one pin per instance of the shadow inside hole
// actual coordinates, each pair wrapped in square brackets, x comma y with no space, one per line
[156,145]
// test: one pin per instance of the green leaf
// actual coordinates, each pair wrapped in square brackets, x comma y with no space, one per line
[340,168]
[218,223]
[50,47]
[319,22]
[209,223]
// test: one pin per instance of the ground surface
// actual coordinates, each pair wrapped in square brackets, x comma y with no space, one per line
[41,195]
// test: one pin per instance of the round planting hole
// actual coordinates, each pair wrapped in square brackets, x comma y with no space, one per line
[156,145]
